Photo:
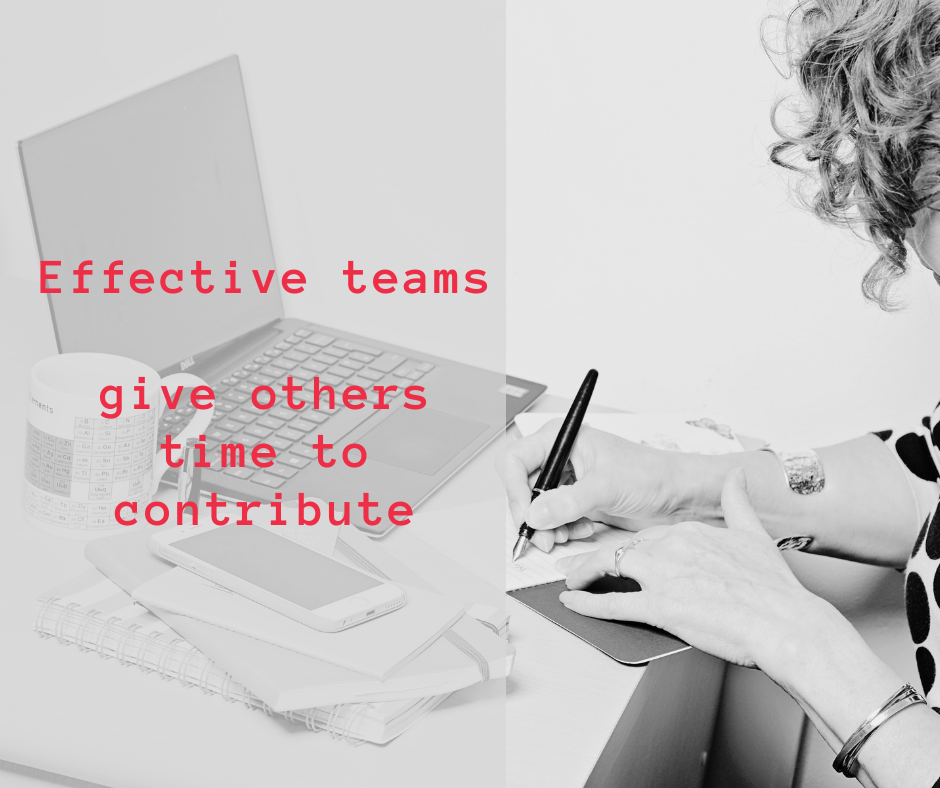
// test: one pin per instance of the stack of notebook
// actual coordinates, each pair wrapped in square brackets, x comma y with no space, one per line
[375,700]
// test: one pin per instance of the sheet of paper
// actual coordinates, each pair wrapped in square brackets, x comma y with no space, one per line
[469,535]
[694,433]
[480,536]
[536,568]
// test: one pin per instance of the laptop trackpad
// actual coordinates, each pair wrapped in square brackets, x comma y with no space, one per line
[419,440]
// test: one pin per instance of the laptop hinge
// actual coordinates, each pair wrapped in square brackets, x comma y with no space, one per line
[221,355]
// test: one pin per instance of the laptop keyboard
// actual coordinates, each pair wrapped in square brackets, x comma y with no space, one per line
[303,355]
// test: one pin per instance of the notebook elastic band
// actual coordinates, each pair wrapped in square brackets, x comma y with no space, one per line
[359,560]
[471,651]
[452,636]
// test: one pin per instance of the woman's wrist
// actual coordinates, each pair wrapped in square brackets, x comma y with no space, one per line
[826,666]
[701,478]
[820,659]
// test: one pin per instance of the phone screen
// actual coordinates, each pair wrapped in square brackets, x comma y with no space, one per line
[276,564]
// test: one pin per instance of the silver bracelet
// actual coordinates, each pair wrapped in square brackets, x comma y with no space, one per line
[803,469]
[846,761]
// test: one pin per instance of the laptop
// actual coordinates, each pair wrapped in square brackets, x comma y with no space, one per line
[169,175]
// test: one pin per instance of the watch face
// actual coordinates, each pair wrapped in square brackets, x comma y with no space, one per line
[794,542]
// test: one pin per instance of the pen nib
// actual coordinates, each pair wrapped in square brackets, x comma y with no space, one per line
[521,544]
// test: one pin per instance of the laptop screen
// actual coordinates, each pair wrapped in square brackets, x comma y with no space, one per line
[159,180]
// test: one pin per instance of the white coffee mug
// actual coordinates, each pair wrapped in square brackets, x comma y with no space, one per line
[79,464]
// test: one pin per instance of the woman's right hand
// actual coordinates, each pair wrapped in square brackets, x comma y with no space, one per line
[621,483]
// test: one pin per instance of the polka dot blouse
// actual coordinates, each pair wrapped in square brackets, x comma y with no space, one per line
[918,451]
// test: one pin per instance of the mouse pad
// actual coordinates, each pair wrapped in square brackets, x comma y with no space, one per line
[627,642]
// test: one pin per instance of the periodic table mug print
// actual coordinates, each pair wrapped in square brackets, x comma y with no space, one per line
[83,459]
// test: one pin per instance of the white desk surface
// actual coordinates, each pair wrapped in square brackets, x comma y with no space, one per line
[74,714]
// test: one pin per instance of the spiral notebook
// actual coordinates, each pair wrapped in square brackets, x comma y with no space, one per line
[94,614]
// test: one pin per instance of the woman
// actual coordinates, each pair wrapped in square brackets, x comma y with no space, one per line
[869,71]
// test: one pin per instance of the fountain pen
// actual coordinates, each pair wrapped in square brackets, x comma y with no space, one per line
[552,470]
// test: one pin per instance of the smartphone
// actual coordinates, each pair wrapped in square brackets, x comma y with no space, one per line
[279,574]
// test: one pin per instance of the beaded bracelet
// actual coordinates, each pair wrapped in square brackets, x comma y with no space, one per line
[846,761]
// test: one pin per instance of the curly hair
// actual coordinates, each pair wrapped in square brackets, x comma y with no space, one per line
[868,129]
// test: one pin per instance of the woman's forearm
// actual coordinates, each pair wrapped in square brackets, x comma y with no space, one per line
[831,672]
[866,512]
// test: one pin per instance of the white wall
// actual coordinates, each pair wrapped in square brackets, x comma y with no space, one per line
[649,235]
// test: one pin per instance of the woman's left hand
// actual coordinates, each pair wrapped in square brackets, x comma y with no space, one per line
[726,591]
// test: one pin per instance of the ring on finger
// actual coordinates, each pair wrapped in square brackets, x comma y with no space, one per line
[618,555]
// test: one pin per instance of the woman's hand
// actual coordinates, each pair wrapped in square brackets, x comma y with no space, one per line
[620,483]
[726,591]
